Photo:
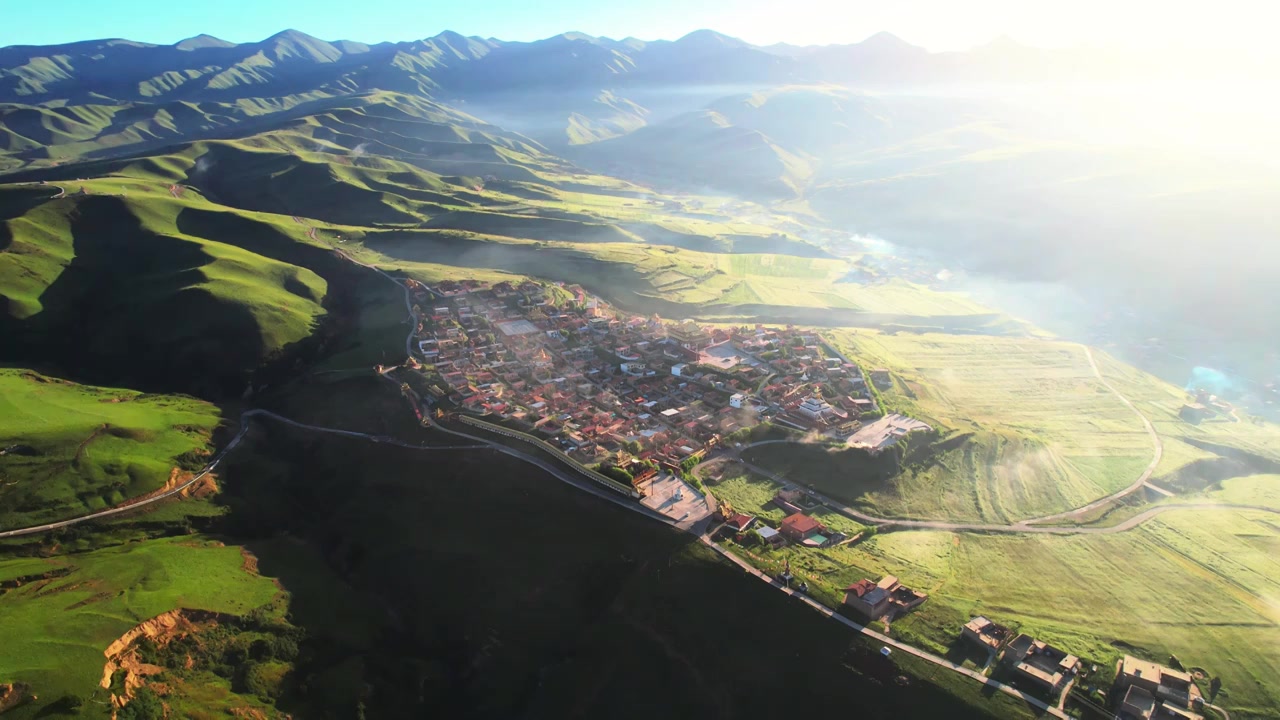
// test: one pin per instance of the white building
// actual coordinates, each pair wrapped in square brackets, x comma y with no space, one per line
[678,370]
[737,400]
[814,408]
[634,368]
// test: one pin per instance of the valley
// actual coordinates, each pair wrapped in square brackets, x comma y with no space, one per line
[349,367]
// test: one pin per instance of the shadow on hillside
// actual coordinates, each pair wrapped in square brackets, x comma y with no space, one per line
[131,309]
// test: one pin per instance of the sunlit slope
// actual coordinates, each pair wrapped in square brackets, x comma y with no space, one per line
[1198,584]
[66,611]
[77,448]
[1036,431]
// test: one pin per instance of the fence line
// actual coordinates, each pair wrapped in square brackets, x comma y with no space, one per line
[559,454]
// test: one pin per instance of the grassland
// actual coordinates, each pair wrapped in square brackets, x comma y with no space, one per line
[1201,585]
[79,448]
[1187,443]
[57,628]
[1034,432]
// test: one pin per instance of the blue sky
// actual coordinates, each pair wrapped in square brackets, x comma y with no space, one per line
[935,24]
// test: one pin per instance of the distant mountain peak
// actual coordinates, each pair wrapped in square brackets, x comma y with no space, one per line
[574,36]
[887,41]
[449,36]
[710,38]
[291,35]
[202,41]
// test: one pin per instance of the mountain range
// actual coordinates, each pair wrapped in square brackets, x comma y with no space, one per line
[878,138]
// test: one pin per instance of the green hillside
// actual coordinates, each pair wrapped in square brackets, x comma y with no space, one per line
[72,449]
[60,614]
[90,279]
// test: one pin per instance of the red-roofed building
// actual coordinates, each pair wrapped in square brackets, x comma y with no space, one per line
[741,522]
[799,526]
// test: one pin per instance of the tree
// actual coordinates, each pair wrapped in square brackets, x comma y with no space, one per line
[633,447]
[145,705]
[616,473]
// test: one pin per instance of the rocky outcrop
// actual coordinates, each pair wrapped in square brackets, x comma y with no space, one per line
[122,655]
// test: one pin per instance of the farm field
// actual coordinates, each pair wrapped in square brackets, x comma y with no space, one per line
[78,448]
[1044,435]
[56,629]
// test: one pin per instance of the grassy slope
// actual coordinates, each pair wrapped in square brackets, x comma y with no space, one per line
[80,272]
[1046,435]
[56,631]
[1200,585]
[97,446]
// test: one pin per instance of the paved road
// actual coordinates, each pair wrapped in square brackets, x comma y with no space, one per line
[1129,524]
[1032,525]
[885,639]
[235,441]
[559,473]
[1142,479]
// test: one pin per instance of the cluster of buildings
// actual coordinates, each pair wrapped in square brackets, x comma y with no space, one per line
[1142,690]
[558,363]
[1156,692]
[886,598]
[1203,406]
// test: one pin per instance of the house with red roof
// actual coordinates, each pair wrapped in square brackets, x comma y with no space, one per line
[741,522]
[798,527]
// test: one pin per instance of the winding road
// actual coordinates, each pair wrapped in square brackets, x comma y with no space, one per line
[213,464]
[1032,525]
[698,526]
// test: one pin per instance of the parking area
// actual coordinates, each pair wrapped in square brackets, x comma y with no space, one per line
[676,499]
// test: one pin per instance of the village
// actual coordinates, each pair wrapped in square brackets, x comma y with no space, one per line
[631,391]
[642,400]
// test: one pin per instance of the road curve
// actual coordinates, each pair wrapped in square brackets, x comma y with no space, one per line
[1030,525]
[1142,479]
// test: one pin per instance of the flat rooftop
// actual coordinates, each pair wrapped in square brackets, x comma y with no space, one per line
[517,327]
[884,431]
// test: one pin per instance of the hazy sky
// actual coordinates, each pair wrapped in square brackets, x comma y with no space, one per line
[935,24]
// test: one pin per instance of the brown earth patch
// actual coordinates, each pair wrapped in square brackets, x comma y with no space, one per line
[122,655]
[250,560]
[14,694]
[206,487]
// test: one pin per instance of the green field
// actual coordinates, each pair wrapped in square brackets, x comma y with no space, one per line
[90,447]
[1201,585]
[56,629]
[1043,434]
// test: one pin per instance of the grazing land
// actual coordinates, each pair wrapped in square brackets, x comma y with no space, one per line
[64,611]
[1031,430]
[70,449]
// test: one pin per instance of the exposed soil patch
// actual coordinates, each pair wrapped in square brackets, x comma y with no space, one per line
[14,694]
[122,655]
